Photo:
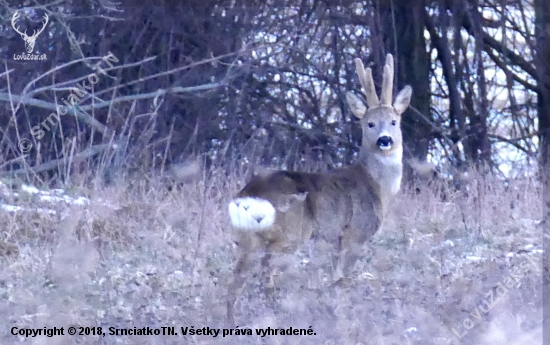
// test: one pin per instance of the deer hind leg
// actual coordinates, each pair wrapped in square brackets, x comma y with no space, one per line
[235,285]
[275,245]
[268,272]
[247,246]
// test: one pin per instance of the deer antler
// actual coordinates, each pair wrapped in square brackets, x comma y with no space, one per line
[46,18]
[24,34]
[13,20]
[365,77]
[387,82]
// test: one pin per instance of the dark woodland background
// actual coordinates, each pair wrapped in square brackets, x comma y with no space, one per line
[264,81]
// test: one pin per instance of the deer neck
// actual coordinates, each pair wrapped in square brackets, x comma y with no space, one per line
[384,173]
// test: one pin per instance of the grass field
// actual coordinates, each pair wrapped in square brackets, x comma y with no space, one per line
[447,267]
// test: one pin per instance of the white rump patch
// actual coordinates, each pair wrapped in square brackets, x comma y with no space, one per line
[251,214]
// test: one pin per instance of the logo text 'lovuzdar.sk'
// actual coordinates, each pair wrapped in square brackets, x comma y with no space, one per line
[30,41]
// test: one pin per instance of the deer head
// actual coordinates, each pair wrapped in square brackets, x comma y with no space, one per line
[381,120]
[30,41]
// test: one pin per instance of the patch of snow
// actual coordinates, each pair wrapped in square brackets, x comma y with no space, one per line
[528,221]
[29,189]
[527,249]
[55,196]
[449,243]
[411,330]
[13,208]
[474,258]
[65,198]
[81,201]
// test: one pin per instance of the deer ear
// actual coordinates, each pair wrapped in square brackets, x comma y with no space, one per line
[356,105]
[402,100]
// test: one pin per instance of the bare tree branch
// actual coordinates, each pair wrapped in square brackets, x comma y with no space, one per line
[53,164]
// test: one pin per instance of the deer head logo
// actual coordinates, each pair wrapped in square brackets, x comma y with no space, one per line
[30,41]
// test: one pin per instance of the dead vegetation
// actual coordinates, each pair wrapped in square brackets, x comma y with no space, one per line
[153,257]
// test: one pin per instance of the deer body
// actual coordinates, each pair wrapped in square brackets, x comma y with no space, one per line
[278,211]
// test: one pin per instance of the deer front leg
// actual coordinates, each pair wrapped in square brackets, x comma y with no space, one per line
[349,251]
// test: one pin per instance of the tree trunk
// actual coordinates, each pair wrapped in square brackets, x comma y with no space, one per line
[542,33]
[403,29]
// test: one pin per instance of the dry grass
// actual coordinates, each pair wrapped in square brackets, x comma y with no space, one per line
[141,256]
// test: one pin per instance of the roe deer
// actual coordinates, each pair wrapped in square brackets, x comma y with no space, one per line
[278,211]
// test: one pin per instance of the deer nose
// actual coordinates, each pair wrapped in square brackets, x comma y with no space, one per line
[384,142]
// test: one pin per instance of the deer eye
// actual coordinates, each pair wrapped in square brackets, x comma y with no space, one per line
[371,124]
[393,123]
